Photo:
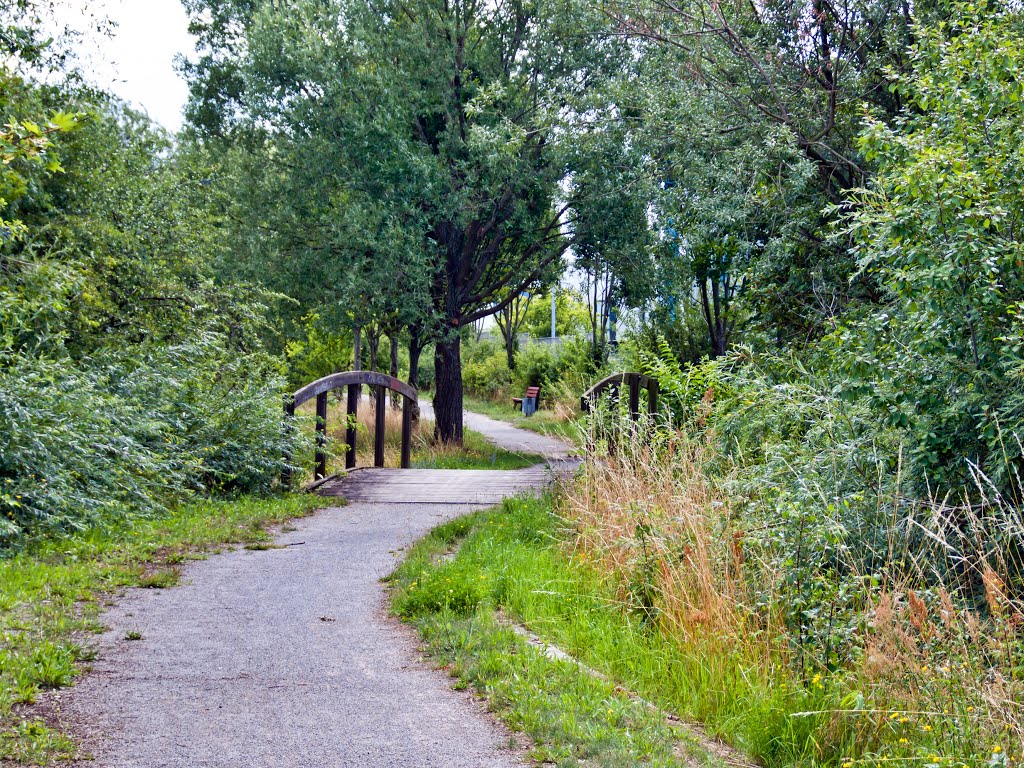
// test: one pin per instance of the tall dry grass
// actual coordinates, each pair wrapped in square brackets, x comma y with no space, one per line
[936,669]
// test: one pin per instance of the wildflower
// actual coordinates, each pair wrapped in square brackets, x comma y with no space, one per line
[894,715]
[970,709]
[996,749]
[904,741]
[926,727]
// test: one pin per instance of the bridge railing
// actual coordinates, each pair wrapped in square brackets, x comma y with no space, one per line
[354,382]
[633,382]
[612,386]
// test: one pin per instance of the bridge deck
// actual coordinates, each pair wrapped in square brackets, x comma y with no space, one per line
[435,486]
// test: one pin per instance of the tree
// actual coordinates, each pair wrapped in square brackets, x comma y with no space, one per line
[451,117]
[940,228]
[781,73]
[571,314]
[612,240]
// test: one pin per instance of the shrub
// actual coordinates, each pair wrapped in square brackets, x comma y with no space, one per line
[127,432]
[537,365]
[485,373]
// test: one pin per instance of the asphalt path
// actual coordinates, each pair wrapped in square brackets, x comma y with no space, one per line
[287,657]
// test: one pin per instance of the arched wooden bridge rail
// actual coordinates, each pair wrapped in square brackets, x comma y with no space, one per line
[633,382]
[354,381]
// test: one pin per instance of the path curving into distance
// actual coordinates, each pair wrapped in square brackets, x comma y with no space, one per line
[287,657]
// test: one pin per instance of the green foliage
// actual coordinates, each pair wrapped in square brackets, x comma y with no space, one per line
[84,445]
[485,372]
[128,377]
[939,229]
[537,365]
[320,351]
[571,315]
[686,391]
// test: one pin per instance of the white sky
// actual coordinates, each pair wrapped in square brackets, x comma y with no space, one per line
[137,61]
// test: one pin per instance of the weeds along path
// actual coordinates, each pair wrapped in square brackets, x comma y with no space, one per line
[284,657]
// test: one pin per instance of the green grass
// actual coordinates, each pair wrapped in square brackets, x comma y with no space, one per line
[514,559]
[476,453]
[508,560]
[52,593]
[543,421]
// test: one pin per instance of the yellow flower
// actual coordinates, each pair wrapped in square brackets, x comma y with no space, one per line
[926,727]
[904,741]
[996,749]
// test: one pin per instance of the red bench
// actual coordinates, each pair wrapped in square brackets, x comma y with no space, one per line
[528,402]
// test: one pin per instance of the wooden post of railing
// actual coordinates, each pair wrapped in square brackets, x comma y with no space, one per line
[321,437]
[289,414]
[610,432]
[352,411]
[380,408]
[408,408]
[612,386]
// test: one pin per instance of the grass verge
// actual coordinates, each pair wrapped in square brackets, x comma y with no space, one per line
[52,593]
[510,559]
[477,452]
[544,422]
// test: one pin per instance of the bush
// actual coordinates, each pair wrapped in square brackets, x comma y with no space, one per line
[485,373]
[319,353]
[537,365]
[129,432]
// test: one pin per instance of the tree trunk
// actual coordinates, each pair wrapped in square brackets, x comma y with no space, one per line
[510,350]
[448,390]
[393,369]
[415,349]
[357,349]
[712,318]
[374,341]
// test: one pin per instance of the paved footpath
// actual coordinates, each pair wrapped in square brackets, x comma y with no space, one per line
[287,657]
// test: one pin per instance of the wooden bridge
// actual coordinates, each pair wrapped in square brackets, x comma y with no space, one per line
[377,485]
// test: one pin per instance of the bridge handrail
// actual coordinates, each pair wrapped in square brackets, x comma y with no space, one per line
[347,378]
[354,381]
[631,379]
